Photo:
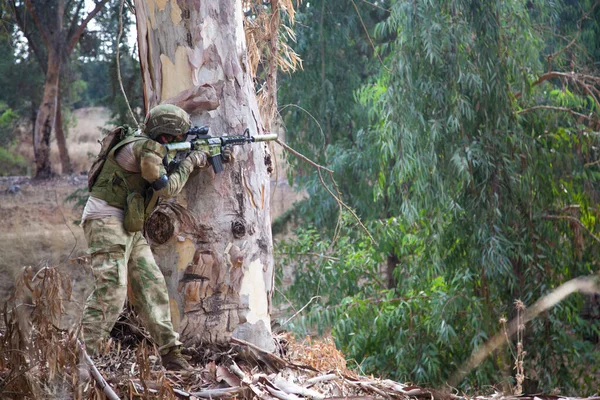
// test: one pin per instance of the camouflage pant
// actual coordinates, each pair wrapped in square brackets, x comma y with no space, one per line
[120,258]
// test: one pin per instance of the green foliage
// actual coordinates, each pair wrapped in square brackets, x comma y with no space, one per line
[7,121]
[88,75]
[20,78]
[322,281]
[478,182]
[321,117]
[11,164]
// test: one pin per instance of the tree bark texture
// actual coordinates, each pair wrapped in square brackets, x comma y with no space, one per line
[216,253]
[61,141]
[46,117]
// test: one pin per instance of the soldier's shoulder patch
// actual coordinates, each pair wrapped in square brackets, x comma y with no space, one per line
[152,146]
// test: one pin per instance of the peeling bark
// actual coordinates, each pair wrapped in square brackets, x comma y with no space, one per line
[216,254]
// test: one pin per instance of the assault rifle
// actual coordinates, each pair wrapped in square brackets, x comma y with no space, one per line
[213,145]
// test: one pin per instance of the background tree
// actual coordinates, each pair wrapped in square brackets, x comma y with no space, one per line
[21,79]
[105,63]
[479,179]
[52,30]
[318,106]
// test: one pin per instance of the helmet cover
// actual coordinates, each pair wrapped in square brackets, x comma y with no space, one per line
[166,119]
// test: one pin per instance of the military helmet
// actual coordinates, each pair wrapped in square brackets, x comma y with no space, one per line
[166,119]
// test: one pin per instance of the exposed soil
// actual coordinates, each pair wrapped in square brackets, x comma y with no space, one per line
[40,229]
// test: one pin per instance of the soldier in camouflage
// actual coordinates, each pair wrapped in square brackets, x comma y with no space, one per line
[130,183]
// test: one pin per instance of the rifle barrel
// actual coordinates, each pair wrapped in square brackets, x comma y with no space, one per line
[264,138]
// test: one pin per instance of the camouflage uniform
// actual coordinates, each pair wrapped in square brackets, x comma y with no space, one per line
[122,258]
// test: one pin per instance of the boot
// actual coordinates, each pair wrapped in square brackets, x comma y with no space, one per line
[174,361]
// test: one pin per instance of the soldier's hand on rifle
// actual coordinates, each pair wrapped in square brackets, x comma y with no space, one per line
[198,158]
[227,154]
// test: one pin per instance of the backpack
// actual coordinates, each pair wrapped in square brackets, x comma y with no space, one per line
[106,145]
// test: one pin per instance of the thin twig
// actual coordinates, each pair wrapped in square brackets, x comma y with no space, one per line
[564,109]
[590,91]
[300,310]
[108,392]
[285,297]
[573,219]
[582,284]
[310,115]
[369,37]
[68,227]
[310,254]
[319,168]
[135,328]
[341,203]
[119,63]
[302,157]
[338,226]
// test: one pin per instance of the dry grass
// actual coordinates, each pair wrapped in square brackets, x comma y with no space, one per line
[320,354]
[41,361]
[82,139]
[38,360]
[39,230]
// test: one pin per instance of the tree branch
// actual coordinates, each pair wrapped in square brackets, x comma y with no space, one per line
[526,110]
[60,14]
[38,22]
[572,42]
[584,284]
[74,19]
[34,47]
[590,164]
[76,35]
[319,168]
[573,219]
[576,77]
